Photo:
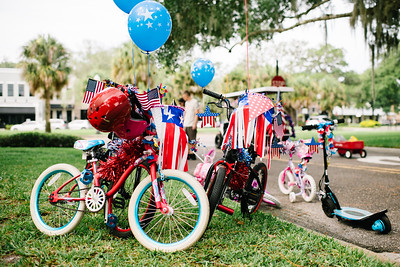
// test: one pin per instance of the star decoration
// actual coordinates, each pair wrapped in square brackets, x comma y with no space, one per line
[149,24]
[169,114]
[147,15]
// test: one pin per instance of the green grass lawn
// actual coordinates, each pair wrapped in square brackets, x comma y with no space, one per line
[229,240]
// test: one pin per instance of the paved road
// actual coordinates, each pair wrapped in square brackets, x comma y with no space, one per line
[356,183]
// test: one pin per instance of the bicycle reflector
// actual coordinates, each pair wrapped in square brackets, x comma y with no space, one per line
[86,176]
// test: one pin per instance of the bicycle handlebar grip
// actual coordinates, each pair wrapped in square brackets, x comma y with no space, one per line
[309,127]
[212,94]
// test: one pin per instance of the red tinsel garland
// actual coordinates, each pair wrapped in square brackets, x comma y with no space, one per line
[115,166]
[239,176]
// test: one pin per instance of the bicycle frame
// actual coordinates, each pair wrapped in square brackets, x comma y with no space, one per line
[158,187]
[298,176]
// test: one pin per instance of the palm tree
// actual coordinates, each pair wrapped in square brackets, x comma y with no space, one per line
[45,68]
[125,72]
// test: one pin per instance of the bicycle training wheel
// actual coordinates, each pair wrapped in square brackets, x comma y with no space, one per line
[120,201]
[182,226]
[254,189]
[310,188]
[63,216]
[284,179]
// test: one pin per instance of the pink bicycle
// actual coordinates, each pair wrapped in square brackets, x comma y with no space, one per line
[293,176]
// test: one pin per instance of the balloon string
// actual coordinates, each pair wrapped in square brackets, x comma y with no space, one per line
[133,62]
[247,46]
[148,71]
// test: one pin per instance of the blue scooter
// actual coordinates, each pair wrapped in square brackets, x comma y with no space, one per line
[378,221]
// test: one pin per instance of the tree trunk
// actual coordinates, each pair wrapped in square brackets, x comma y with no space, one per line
[47,112]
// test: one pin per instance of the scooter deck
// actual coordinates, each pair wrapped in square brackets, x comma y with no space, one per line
[354,214]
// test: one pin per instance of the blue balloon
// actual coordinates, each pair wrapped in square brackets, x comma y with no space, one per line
[202,71]
[149,25]
[126,5]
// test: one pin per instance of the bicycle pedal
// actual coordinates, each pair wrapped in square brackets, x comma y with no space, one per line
[119,203]
[112,220]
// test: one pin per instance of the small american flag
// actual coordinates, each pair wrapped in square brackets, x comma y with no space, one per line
[93,87]
[149,99]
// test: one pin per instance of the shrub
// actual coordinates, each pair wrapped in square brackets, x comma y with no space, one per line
[35,139]
[369,123]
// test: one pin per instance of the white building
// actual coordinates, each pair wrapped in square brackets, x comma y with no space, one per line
[17,104]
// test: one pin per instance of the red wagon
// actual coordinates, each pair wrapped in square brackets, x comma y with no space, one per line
[346,148]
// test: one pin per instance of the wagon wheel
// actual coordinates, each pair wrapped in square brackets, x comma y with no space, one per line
[363,153]
[348,154]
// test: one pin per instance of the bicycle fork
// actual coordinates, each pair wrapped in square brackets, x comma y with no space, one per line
[159,192]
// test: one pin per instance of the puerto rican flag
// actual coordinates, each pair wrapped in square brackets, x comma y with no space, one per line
[173,139]
[93,87]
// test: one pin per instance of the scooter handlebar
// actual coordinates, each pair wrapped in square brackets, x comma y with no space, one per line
[309,127]
[315,126]
[338,121]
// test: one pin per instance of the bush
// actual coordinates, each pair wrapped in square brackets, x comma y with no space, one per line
[35,139]
[369,123]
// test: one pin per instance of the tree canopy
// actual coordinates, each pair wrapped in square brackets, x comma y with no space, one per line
[222,23]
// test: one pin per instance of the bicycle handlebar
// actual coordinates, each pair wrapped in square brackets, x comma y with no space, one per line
[212,94]
[221,98]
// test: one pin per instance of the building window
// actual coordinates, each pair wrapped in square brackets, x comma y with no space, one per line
[21,90]
[1,89]
[10,89]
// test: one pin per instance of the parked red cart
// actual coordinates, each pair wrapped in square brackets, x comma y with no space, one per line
[346,148]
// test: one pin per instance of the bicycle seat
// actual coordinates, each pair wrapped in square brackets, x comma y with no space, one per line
[85,145]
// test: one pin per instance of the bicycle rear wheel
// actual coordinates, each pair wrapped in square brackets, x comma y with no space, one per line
[179,229]
[254,189]
[63,216]
[120,201]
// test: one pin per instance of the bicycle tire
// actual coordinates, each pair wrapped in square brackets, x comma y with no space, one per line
[271,200]
[177,231]
[63,217]
[310,188]
[120,201]
[217,189]
[284,182]
[254,191]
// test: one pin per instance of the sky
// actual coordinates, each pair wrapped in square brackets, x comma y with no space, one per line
[74,23]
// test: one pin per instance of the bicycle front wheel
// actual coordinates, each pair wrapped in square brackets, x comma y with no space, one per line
[182,226]
[217,189]
[286,181]
[63,216]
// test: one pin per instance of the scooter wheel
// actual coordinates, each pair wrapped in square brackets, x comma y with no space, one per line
[382,225]
[328,206]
